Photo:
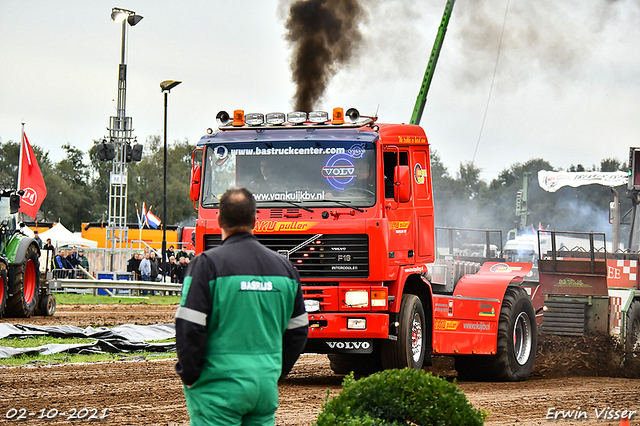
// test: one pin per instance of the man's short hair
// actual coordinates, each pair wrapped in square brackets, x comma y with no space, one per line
[237,208]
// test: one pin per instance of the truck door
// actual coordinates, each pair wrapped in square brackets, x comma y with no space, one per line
[400,215]
[423,204]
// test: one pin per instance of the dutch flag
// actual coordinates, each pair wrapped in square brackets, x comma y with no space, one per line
[153,221]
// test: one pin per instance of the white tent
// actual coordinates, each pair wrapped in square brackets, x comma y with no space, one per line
[61,236]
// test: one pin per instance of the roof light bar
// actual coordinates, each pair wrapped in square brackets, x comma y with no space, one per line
[353,115]
[313,119]
[318,116]
[276,118]
[238,118]
[254,119]
[297,117]
[222,118]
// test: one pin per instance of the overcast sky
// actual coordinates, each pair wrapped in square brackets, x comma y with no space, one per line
[566,88]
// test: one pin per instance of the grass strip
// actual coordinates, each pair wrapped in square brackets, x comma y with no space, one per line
[89,299]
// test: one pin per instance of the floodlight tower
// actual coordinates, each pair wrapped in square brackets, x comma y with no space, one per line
[120,135]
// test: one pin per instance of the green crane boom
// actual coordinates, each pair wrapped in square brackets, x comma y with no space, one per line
[431,66]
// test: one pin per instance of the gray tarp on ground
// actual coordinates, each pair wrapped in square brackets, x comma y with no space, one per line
[121,339]
[132,332]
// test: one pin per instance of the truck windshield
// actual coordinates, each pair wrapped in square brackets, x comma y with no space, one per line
[317,175]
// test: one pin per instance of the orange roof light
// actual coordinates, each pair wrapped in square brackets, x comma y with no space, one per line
[338,116]
[238,117]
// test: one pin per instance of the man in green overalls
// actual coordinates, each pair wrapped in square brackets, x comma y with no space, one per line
[241,324]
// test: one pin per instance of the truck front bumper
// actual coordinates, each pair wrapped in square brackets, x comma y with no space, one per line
[330,332]
[335,325]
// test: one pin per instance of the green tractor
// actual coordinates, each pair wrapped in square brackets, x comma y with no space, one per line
[21,292]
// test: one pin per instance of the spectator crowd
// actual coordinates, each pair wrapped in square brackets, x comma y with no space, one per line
[147,265]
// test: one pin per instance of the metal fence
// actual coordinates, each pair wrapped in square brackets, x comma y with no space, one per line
[115,287]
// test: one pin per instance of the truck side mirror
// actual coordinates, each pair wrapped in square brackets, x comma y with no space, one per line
[401,184]
[194,189]
[14,203]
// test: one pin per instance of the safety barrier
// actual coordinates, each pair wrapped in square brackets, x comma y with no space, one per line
[111,286]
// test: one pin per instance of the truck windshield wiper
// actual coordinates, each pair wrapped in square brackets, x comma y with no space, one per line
[344,203]
[286,201]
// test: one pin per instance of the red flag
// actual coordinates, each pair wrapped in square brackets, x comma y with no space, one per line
[31,181]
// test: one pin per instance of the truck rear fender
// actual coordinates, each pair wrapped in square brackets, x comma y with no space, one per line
[491,281]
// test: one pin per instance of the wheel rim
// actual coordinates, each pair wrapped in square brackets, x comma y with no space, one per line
[522,338]
[29,281]
[1,290]
[416,337]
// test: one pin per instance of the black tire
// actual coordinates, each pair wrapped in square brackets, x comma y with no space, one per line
[360,364]
[517,339]
[632,338]
[409,350]
[47,306]
[26,279]
[4,287]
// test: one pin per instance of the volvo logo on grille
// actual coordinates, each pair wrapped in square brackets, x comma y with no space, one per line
[362,347]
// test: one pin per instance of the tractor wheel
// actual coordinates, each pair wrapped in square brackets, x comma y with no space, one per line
[517,339]
[409,350]
[47,306]
[360,364]
[26,278]
[4,287]
[633,330]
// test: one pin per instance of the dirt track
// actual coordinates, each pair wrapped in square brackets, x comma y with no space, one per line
[149,392]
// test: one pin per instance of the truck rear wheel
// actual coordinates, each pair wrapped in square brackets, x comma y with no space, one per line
[26,278]
[633,330]
[517,340]
[360,364]
[409,350]
[3,287]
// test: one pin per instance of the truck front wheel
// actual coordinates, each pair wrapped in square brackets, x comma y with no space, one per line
[3,287]
[409,349]
[26,277]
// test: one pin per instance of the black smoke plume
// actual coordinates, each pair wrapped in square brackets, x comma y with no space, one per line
[324,35]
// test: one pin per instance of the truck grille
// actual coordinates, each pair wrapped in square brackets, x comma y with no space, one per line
[328,256]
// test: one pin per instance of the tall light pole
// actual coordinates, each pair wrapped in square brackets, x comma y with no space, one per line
[166,87]
[120,135]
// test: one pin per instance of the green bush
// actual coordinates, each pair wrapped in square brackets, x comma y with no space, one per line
[399,397]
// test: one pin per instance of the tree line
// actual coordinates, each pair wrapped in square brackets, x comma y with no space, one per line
[78,185]
[78,190]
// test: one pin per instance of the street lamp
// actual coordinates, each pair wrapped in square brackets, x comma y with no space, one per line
[120,136]
[165,87]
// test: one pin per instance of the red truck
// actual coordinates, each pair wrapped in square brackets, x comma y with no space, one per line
[349,202]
